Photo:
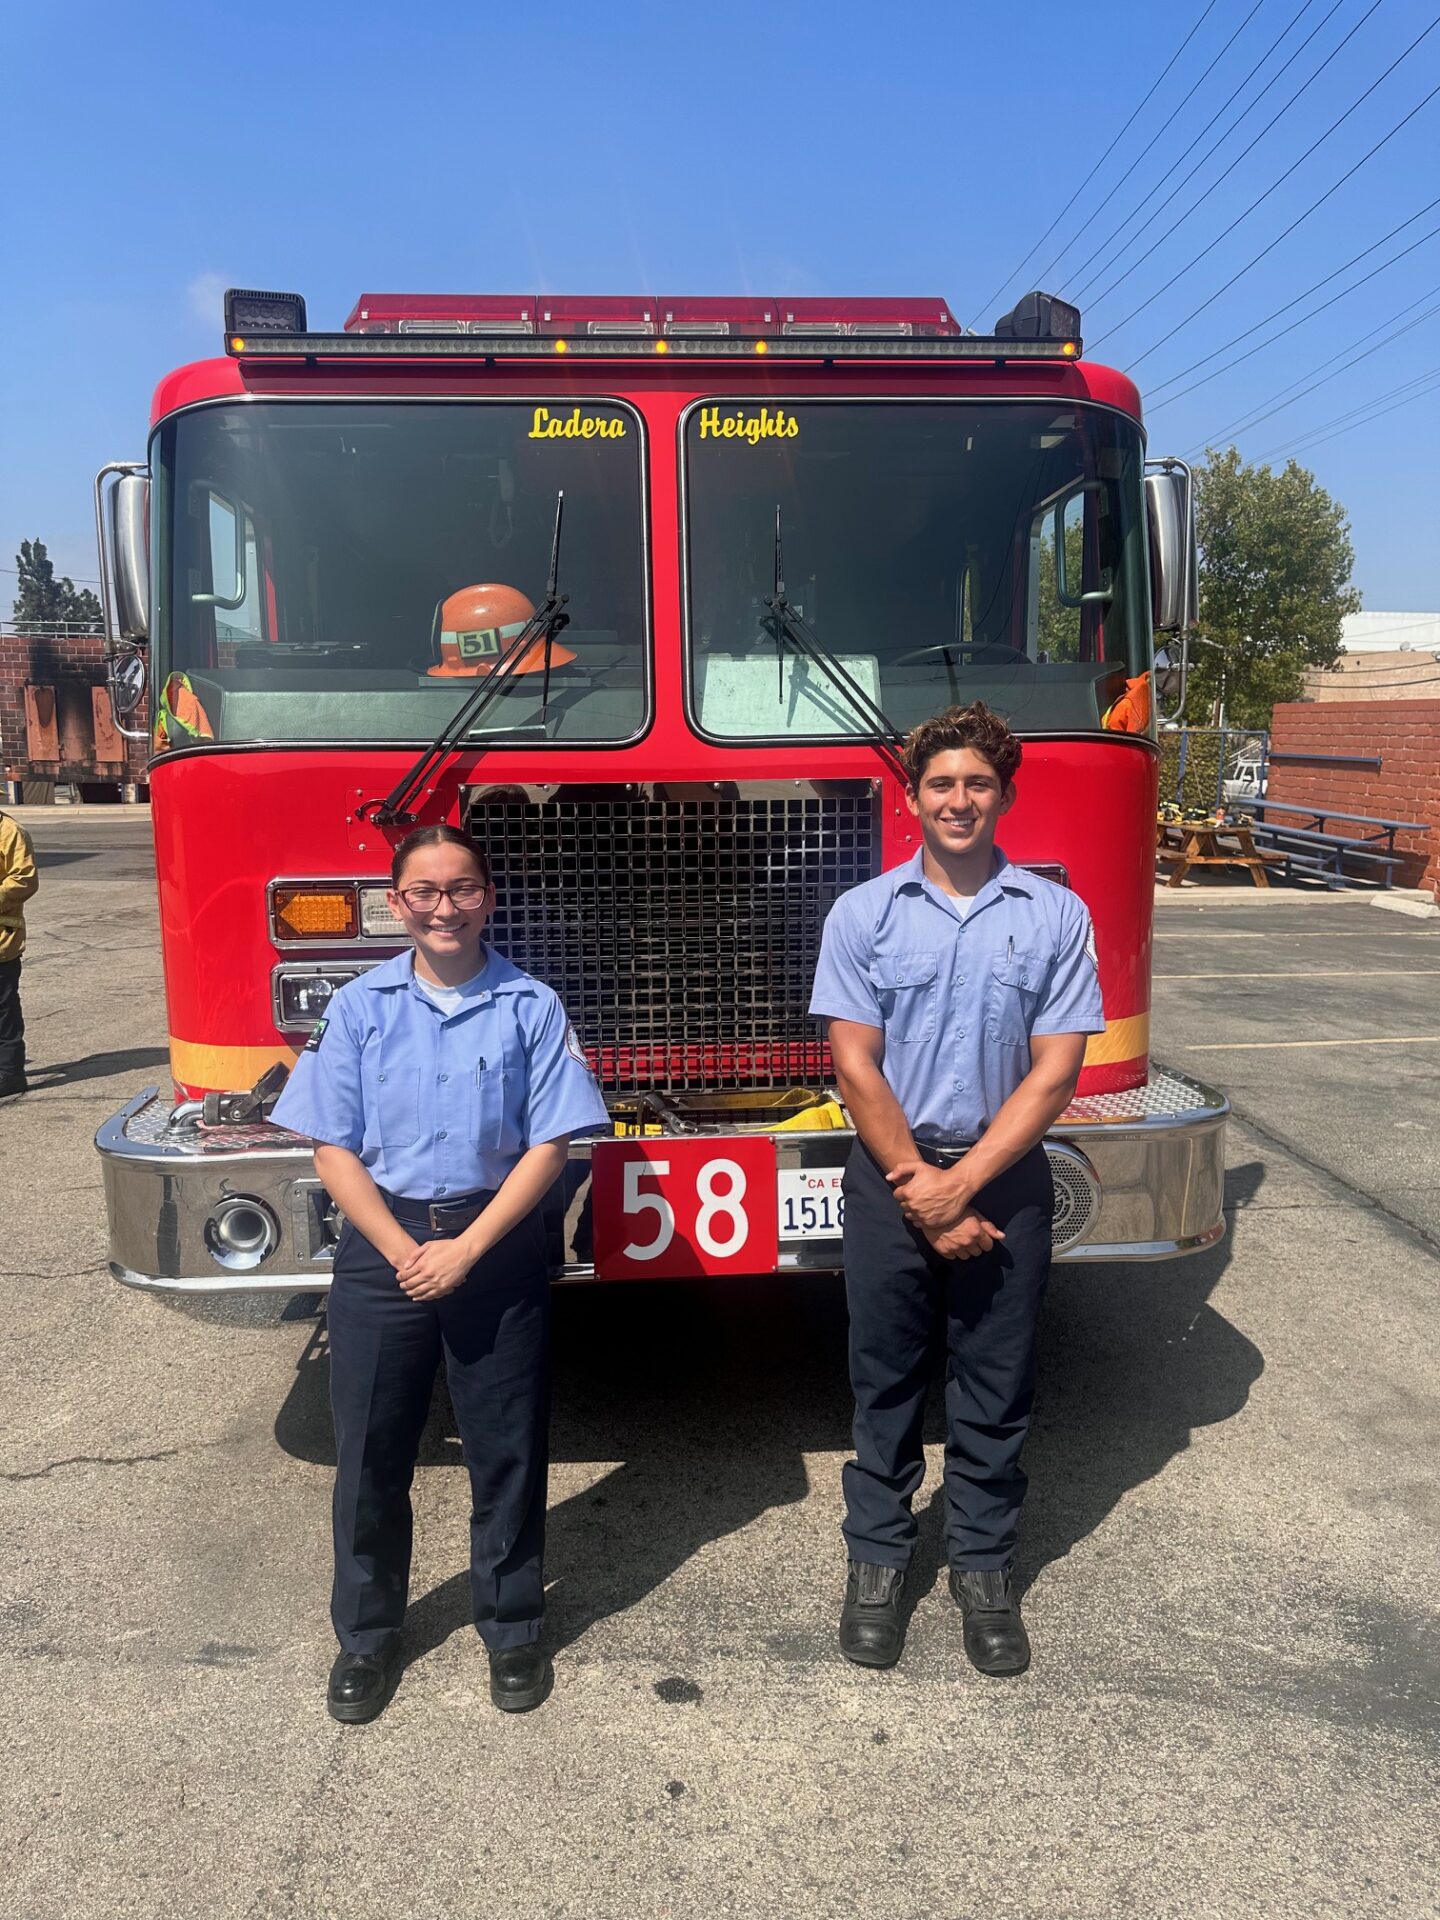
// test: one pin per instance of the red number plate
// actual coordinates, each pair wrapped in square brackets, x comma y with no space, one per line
[667,1207]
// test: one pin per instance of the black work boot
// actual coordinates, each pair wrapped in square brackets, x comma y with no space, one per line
[361,1685]
[871,1631]
[520,1677]
[995,1638]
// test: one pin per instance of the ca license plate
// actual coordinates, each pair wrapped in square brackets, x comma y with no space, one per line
[812,1207]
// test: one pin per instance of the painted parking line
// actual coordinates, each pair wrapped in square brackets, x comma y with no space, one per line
[1242,1046]
[1310,973]
[1234,933]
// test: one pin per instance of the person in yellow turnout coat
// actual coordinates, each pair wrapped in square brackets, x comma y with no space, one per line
[18,880]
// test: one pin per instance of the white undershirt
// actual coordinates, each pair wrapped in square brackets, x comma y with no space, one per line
[447,998]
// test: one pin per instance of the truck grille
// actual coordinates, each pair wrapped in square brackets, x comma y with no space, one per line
[680,934]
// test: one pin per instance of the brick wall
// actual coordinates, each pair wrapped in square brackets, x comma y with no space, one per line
[74,659]
[1404,735]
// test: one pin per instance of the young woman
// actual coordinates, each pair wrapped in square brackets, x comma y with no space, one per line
[442,1087]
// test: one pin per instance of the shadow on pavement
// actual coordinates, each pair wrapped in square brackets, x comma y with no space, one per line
[97,1066]
[708,1394]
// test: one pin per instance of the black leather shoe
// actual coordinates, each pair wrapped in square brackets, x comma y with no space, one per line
[995,1638]
[520,1677]
[17,1084]
[361,1685]
[871,1631]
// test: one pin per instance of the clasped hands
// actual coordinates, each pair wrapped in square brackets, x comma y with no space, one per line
[430,1270]
[931,1201]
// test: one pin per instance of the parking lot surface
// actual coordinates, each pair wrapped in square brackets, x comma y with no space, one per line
[1229,1549]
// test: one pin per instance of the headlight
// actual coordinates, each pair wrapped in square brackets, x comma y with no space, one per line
[301,993]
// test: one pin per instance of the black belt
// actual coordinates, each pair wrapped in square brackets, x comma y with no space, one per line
[947,1156]
[442,1217]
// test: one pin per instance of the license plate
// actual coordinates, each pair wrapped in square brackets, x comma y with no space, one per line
[668,1207]
[812,1207]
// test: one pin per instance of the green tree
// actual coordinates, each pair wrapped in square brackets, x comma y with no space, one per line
[1275,564]
[44,604]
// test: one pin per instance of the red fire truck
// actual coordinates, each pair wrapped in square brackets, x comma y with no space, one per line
[731,550]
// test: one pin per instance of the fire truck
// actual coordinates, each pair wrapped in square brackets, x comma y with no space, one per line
[742,546]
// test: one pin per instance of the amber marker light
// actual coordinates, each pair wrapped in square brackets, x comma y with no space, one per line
[562,346]
[762,346]
[662,346]
[237,345]
[1068,349]
[314,913]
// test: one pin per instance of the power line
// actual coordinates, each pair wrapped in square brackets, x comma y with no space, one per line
[1358,416]
[1104,156]
[1270,247]
[1153,406]
[1368,349]
[85,579]
[1210,248]
[1154,140]
[1380,685]
[1193,166]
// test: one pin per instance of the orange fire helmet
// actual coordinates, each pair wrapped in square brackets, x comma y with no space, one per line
[478,623]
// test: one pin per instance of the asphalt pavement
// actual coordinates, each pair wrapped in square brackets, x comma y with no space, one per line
[1229,1550]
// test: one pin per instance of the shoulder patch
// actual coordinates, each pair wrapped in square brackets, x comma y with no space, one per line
[573,1046]
[312,1045]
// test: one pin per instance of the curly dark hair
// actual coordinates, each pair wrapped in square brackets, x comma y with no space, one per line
[441,836]
[975,727]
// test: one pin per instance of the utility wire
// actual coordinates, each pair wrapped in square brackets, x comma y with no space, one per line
[1304,319]
[1300,219]
[1193,166]
[1379,686]
[1334,126]
[1368,349]
[1245,154]
[1105,154]
[1357,417]
[1154,141]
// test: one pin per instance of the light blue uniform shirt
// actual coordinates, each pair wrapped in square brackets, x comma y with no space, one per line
[438,1104]
[958,997]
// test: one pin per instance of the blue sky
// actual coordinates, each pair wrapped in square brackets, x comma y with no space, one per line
[151,156]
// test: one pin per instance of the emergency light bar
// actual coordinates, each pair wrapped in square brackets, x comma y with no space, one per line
[501,326]
[411,346]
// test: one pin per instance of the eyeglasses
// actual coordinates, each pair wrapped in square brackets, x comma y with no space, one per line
[464,896]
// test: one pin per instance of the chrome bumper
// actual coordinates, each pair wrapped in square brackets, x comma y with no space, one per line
[1139,1176]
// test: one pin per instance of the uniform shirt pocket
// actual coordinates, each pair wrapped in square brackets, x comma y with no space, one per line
[392,1099]
[905,988]
[495,1111]
[1012,995]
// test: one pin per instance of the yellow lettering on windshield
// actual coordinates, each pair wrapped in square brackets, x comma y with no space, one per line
[575,425]
[767,424]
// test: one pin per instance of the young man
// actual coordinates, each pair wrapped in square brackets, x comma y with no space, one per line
[18,880]
[958,992]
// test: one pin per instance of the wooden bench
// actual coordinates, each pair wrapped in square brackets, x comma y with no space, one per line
[1183,844]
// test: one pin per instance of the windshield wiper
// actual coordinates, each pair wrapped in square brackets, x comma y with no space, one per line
[547,620]
[881,731]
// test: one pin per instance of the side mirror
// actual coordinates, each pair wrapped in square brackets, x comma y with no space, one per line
[1174,572]
[129,679]
[130,554]
[122,531]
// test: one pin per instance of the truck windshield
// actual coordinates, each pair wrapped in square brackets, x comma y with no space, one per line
[342,570]
[942,551]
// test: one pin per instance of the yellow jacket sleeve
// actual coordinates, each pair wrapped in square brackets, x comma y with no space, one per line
[18,880]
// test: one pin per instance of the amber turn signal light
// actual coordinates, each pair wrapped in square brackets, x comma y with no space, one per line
[314,913]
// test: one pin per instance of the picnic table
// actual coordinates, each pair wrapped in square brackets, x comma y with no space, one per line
[1182,844]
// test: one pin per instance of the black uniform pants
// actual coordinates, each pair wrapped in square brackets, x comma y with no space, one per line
[12,1023]
[493,1333]
[900,1293]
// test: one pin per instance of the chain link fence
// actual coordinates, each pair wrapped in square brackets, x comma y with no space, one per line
[1204,767]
